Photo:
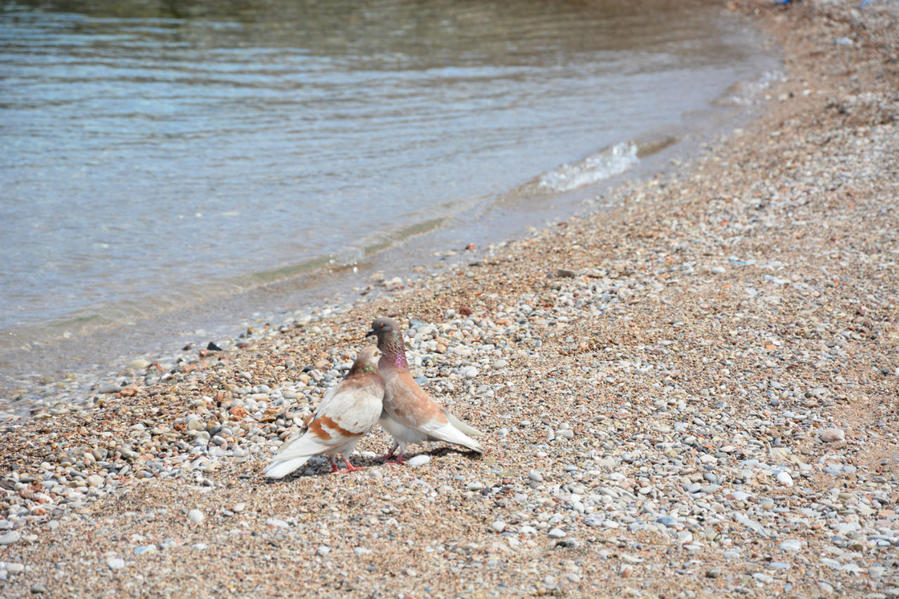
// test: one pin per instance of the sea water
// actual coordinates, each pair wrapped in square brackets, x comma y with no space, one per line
[162,155]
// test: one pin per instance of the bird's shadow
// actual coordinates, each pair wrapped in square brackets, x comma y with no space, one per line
[323,468]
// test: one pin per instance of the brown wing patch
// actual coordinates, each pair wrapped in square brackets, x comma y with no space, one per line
[315,427]
[331,424]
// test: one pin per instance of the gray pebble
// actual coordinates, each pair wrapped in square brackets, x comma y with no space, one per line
[10,537]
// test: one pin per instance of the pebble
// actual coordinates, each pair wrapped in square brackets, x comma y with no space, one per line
[469,372]
[8,538]
[145,549]
[557,533]
[791,545]
[15,568]
[115,563]
[784,478]
[593,520]
[323,550]
[666,520]
[138,364]
[277,523]
[418,460]
[498,525]
[830,435]
[195,516]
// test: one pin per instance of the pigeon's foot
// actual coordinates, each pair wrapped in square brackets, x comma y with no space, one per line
[350,467]
[388,457]
[398,460]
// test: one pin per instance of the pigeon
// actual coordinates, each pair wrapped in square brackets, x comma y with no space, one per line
[346,413]
[410,415]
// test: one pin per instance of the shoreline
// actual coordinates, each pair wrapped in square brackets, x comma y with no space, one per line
[97,361]
[50,365]
[691,392]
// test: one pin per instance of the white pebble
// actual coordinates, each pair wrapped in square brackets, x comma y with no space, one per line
[277,523]
[15,568]
[469,372]
[324,550]
[116,563]
[791,545]
[557,533]
[138,364]
[195,516]
[499,526]
[784,478]
[418,460]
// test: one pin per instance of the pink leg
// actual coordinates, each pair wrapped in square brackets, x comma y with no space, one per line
[349,467]
[399,459]
[334,467]
[389,455]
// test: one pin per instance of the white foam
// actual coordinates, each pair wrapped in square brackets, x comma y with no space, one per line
[608,163]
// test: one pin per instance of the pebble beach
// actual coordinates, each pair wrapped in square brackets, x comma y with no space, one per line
[693,392]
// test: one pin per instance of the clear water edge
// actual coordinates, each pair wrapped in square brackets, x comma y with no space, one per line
[330,284]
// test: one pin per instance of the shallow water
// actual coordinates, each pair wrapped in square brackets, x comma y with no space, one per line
[159,155]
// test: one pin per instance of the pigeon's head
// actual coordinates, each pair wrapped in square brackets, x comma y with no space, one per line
[390,342]
[367,360]
[384,329]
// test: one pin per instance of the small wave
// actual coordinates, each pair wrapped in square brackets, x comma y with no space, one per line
[608,163]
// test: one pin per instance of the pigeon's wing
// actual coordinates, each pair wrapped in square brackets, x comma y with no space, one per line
[411,406]
[346,414]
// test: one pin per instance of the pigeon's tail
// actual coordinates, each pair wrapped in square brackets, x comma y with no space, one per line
[449,433]
[293,455]
[280,469]
[465,428]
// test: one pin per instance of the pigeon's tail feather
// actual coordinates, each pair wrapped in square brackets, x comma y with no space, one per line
[462,426]
[280,469]
[294,454]
[451,434]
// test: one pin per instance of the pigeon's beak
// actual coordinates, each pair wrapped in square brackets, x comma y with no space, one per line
[370,333]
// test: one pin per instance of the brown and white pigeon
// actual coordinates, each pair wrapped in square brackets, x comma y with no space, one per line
[346,413]
[410,415]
